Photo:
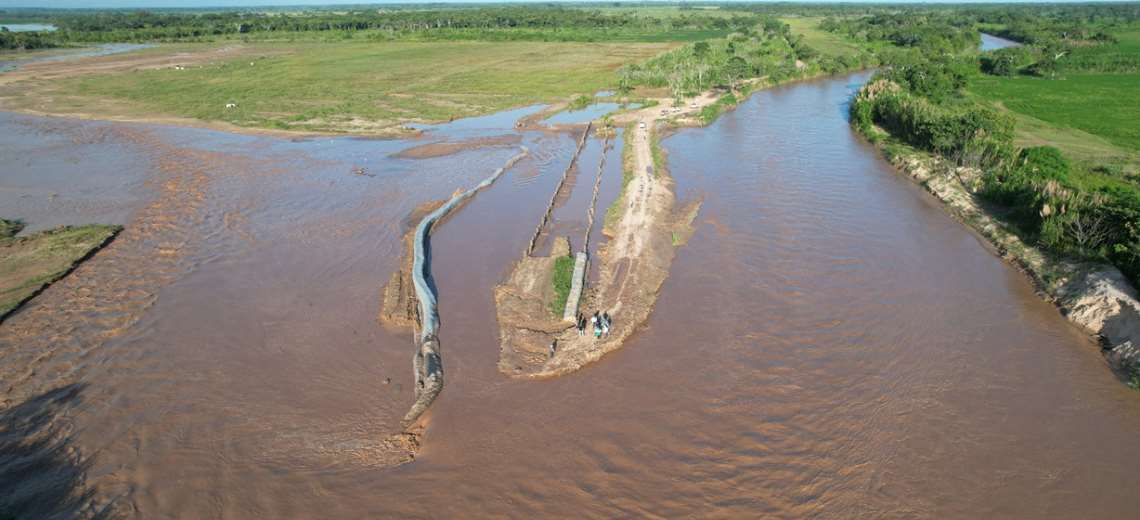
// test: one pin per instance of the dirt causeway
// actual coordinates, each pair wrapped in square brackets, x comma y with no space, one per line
[634,262]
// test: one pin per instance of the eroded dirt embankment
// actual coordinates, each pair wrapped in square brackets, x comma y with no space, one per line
[1095,296]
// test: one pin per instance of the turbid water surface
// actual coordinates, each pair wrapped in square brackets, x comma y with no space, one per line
[991,43]
[13,60]
[830,343]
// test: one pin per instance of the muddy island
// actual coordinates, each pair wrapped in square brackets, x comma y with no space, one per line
[538,322]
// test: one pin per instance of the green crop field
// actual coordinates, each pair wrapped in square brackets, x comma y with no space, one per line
[1103,105]
[320,86]
[822,41]
[667,12]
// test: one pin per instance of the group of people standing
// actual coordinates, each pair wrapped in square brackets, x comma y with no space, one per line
[600,322]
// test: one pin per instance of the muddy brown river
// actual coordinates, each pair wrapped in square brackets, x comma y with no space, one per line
[830,343]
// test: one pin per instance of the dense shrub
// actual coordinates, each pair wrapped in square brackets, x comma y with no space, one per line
[1007,62]
[1038,179]
[26,40]
[970,135]
[1045,199]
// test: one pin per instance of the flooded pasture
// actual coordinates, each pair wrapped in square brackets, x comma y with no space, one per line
[829,343]
[12,61]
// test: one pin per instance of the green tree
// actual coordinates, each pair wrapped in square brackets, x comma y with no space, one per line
[701,49]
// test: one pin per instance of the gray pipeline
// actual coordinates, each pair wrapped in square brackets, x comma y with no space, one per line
[427,363]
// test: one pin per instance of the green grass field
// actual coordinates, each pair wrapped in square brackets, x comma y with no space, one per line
[29,263]
[1103,105]
[668,12]
[822,41]
[590,35]
[324,86]
[562,279]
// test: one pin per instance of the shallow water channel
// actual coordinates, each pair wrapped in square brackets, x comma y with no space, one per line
[13,60]
[993,43]
[830,343]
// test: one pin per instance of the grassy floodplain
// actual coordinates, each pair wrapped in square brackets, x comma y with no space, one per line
[1088,109]
[28,264]
[1104,105]
[321,86]
[368,71]
[827,43]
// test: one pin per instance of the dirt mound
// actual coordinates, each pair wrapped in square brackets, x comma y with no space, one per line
[432,150]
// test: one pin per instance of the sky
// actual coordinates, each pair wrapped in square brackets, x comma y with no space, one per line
[256,3]
[184,3]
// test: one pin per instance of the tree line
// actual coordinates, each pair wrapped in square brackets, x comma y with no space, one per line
[1074,209]
[136,26]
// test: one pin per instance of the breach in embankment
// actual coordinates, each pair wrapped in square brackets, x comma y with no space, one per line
[410,299]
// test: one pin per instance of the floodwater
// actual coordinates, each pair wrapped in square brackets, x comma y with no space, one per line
[991,42]
[28,27]
[12,61]
[586,114]
[830,342]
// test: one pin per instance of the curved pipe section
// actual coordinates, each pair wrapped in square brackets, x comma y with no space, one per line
[427,363]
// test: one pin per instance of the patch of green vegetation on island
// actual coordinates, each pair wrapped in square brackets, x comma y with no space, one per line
[562,278]
[28,264]
[580,102]
[710,112]
[614,211]
[657,153]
